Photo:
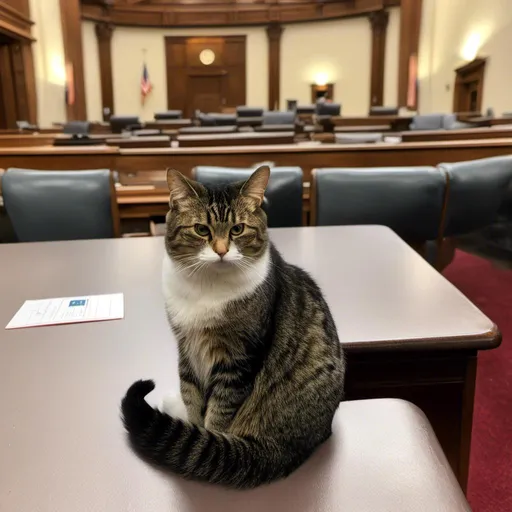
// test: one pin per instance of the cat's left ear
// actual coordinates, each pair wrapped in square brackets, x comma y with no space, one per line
[255,186]
[181,187]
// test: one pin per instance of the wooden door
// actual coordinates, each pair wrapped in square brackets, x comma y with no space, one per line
[205,73]
[469,87]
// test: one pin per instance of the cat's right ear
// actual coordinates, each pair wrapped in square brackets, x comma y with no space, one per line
[181,187]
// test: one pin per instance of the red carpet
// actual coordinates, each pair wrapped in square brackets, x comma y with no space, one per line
[490,479]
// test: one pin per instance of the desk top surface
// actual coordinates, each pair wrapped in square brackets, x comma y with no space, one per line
[382,293]
[63,446]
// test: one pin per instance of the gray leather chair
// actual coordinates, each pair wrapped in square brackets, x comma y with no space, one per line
[271,117]
[409,200]
[77,128]
[383,111]
[358,138]
[244,111]
[214,119]
[60,205]
[283,195]
[120,123]
[479,190]
[427,122]
[169,114]
[305,109]
[327,108]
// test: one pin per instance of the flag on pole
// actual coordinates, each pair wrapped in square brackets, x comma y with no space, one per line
[145,84]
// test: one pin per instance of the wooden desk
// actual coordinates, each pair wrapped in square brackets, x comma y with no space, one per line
[235,139]
[489,121]
[465,134]
[408,333]
[25,140]
[307,156]
[157,141]
[397,123]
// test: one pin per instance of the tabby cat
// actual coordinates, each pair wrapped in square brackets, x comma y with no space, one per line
[261,368]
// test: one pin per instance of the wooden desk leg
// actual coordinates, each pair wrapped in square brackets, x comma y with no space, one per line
[468,403]
[441,384]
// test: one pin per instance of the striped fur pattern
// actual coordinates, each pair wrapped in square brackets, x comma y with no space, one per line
[261,368]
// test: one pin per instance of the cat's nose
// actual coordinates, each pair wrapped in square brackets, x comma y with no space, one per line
[220,248]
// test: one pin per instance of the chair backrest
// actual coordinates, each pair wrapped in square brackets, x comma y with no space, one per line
[245,111]
[284,191]
[427,122]
[383,111]
[77,128]
[477,191]
[409,200]
[223,119]
[276,117]
[357,138]
[60,205]
[169,114]
[119,123]
[326,108]
[305,109]
[450,122]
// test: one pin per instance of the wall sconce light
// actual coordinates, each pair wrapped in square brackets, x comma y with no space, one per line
[471,46]
[321,79]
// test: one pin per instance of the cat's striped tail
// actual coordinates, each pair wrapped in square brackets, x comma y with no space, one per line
[196,453]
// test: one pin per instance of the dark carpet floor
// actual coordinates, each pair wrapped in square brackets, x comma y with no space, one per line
[490,479]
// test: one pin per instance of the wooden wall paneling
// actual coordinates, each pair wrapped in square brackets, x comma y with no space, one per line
[30,81]
[7,91]
[379,24]
[192,84]
[104,33]
[410,24]
[234,60]
[18,78]
[274,33]
[73,54]
[176,59]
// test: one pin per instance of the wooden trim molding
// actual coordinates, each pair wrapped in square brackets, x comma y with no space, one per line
[15,23]
[70,11]
[379,23]
[410,24]
[104,33]
[274,33]
[172,13]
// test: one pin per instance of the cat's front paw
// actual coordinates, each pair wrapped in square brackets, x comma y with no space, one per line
[173,405]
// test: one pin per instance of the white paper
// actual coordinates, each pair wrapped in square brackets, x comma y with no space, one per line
[68,310]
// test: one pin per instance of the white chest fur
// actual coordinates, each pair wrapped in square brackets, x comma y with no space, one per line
[198,302]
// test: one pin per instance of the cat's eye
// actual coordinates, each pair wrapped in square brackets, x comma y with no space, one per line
[202,230]
[237,229]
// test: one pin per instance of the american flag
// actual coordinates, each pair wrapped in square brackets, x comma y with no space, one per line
[145,84]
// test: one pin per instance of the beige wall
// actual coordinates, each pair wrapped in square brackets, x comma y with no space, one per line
[339,51]
[48,61]
[346,60]
[453,33]
[91,72]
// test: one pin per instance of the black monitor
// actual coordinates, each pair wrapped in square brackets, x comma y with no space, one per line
[120,123]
